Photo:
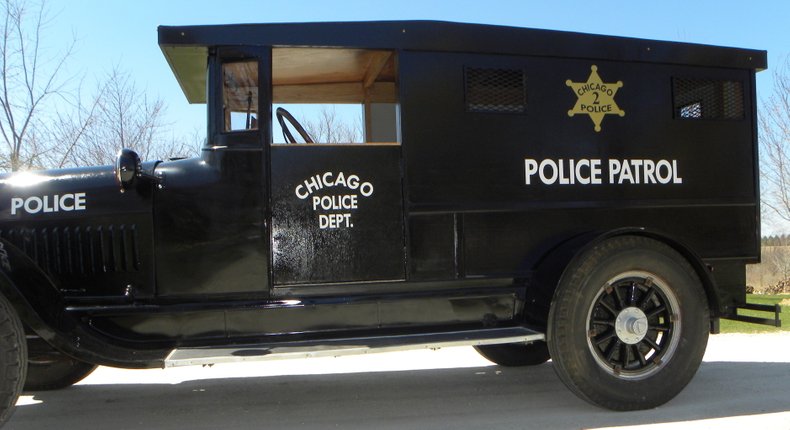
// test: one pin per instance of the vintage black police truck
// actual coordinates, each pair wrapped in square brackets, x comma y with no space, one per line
[535,194]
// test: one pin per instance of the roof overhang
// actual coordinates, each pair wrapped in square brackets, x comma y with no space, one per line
[186,47]
[188,63]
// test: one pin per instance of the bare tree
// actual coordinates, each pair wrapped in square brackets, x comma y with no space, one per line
[68,128]
[28,79]
[329,127]
[774,124]
[120,115]
[46,122]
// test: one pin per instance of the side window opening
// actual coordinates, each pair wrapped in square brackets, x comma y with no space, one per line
[240,95]
[334,96]
[334,123]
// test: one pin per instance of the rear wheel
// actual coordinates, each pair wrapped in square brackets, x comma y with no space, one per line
[629,324]
[13,356]
[516,354]
[49,369]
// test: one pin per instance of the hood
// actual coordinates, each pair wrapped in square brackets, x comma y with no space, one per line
[80,229]
[66,193]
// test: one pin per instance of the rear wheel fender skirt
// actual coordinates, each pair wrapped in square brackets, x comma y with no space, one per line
[550,268]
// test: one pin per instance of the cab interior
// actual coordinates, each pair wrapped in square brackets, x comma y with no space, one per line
[320,96]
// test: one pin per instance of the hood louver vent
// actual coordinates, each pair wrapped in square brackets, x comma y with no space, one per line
[79,250]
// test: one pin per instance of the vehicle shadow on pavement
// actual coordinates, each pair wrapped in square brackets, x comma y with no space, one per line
[478,397]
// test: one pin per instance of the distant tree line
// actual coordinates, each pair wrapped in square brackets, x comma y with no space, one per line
[47,117]
[772,275]
[776,240]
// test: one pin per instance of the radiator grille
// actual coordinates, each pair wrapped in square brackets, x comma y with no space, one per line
[79,250]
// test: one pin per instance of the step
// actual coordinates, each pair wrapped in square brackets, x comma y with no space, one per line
[348,346]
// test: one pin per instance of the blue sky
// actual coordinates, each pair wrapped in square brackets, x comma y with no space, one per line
[123,33]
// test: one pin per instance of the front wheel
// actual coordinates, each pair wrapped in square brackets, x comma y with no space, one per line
[628,325]
[49,369]
[13,356]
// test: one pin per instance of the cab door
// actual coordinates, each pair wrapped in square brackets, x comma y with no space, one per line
[210,216]
[336,195]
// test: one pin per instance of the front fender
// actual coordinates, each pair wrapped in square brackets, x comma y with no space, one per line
[35,298]
[41,307]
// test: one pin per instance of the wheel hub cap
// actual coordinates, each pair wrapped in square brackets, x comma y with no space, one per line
[631,325]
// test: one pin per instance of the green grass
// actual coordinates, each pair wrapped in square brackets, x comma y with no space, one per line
[729,326]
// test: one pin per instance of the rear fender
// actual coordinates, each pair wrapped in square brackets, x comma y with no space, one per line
[550,268]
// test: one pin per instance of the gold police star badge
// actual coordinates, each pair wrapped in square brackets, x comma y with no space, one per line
[595,98]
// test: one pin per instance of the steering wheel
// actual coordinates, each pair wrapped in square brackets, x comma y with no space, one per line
[282,116]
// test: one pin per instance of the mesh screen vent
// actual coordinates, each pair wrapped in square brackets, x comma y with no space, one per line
[495,90]
[707,99]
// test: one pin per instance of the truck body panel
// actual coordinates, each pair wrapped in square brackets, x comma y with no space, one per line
[484,153]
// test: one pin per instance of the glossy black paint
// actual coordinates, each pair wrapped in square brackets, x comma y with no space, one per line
[224,248]
[492,224]
[434,247]
[210,228]
[211,213]
[441,139]
[104,249]
[336,214]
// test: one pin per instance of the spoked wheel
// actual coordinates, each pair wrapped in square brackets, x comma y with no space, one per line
[632,325]
[628,325]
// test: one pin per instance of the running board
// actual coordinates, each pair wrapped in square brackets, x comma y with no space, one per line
[348,346]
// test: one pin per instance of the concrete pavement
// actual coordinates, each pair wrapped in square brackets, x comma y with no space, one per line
[744,379]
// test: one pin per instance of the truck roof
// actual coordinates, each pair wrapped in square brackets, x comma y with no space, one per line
[186,47]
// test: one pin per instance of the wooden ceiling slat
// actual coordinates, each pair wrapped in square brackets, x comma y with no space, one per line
[378,59]
[380,92]
[334,75]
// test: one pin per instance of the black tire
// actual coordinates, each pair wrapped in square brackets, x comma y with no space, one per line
[55,372]
[628,325]
[516,354]
[13,356]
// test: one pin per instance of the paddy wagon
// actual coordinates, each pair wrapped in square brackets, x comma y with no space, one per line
[535,194]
